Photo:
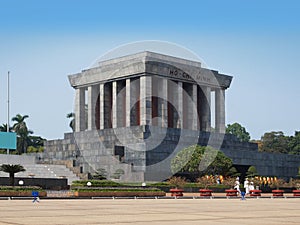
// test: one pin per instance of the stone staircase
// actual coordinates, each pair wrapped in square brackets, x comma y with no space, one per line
[45,171]
[113,163]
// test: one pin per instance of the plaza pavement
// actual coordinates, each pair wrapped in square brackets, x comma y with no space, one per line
[264,211]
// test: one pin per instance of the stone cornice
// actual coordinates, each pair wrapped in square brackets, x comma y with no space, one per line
[149,63]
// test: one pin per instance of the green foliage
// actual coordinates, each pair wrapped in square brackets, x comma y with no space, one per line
[277,142]
[22,131]
[11,170]
[11,152]
[3,128]
[96,183]
[274,141]
[32,149]
[117,174]
[232,172]
[24,137]
[276,183]
[229,181]
[72,122]
[252,172]
[18,188]
[239,131]
[188,185]
[117,189]
[206,181]
[177,182]
[294,144]
[188,161]
[160,184]
[100,174]
[295,183]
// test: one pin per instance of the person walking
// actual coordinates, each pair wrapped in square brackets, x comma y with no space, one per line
[246,185]
[237,185]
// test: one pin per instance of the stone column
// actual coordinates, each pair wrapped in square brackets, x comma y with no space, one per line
[80,124]
[163,102]
[128,103]
[114,104]
[220,110]
[135,101]
[121,103]
[204,108]
[188,106]
[92,101]
[107,101]
[101,106]
[145,100]
[180,105]
[194,108]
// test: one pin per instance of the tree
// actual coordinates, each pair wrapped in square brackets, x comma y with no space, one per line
[32,149]
[22,131]
[177,182]
[206,181]
[12,169]
[3,128]
[24,137]
[252,172]
[274,141]
[72,122]
[232,172]
[20,124]
[294,144]
[100,174]
[239,131]
[188,161]
[117,174]
[36,141]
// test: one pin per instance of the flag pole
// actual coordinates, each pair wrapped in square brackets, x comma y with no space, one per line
[8,106]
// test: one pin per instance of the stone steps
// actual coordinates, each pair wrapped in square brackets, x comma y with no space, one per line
[45,171]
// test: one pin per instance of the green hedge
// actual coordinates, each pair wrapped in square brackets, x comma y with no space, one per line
[109,183]
[18,188]
[117,190]
[96,183]
[187,185]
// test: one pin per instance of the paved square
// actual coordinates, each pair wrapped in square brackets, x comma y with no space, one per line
[152,211]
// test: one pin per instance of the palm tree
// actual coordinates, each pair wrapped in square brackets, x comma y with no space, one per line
[72,122]
[12,169]
[22,131]
[3,128]
[20,122]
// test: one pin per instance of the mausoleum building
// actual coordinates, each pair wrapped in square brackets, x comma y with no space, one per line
[135,113]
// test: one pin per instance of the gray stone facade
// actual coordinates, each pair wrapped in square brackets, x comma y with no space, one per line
[140,164]
[143,109]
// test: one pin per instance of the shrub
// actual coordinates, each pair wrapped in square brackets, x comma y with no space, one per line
[276,183]
[206,181]
[177,182]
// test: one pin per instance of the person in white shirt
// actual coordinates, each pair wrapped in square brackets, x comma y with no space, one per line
[246,186]
[237,185]
[251,186]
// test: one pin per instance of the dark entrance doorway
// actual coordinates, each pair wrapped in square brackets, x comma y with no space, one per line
[119,151]
[242,169]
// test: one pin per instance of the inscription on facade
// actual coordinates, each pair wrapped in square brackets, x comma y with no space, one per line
[183,75]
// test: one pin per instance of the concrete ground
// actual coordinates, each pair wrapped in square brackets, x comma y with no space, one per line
[264,211]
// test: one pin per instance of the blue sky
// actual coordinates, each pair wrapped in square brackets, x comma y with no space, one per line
[258,42]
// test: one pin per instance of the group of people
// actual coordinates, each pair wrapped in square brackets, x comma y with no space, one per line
[247,185]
